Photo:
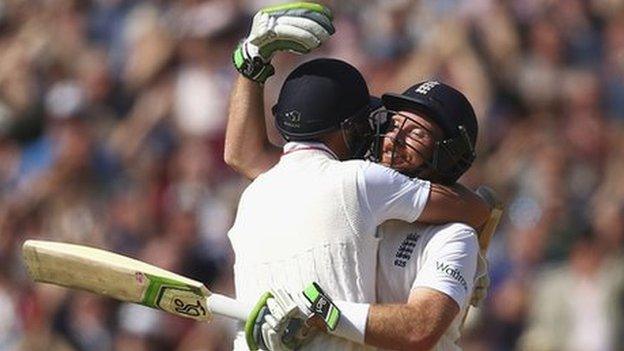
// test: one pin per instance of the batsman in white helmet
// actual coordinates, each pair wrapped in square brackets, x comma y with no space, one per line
[311,215]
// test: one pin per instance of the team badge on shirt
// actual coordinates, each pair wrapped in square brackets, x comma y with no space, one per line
[405,250]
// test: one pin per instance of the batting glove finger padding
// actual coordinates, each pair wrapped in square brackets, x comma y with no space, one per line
[277,322]
[316,12]
[293,313]
[272,339]
[302,33]
[310,31]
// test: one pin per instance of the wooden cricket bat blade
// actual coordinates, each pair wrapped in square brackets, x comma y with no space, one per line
[488,230]
[497,205]
[126,279]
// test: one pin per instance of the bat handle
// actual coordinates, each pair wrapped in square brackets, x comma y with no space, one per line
[226,306]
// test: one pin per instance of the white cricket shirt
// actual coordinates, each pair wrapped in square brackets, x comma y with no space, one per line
[440,257]
[313,218]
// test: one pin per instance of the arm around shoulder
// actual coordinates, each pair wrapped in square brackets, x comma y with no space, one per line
[391,195]
[454,203]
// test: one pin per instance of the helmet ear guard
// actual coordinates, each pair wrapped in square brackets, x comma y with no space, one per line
[380,123]
[358,131]
[452,157]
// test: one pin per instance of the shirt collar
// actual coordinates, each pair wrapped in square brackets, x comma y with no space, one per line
[295,146]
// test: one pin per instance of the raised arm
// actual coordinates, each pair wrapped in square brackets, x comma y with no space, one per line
[247,147]
[296,27]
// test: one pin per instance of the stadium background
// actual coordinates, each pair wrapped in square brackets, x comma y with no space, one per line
[112,117]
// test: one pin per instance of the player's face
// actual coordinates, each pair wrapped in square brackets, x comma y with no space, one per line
[409,141]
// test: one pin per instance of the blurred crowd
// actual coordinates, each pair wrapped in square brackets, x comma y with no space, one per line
[112,117]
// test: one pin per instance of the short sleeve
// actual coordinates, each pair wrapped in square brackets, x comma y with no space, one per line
[388,194]
[450,264]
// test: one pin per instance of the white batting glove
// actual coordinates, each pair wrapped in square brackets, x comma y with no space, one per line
[482,282]
[281,321]
[296,27]
[286,328]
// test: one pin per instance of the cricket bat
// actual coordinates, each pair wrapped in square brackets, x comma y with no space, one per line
[486,233]
[126,279]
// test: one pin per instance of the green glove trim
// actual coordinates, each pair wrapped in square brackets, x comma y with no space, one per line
[318,13]
[251,321]
[311,293]
[251,68]
[322,305]
[333,319]
[298,6]
[239,60]
[266,50]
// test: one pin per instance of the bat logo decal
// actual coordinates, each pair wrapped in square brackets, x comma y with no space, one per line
[189,309]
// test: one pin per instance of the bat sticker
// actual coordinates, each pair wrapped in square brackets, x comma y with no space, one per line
[188,309]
